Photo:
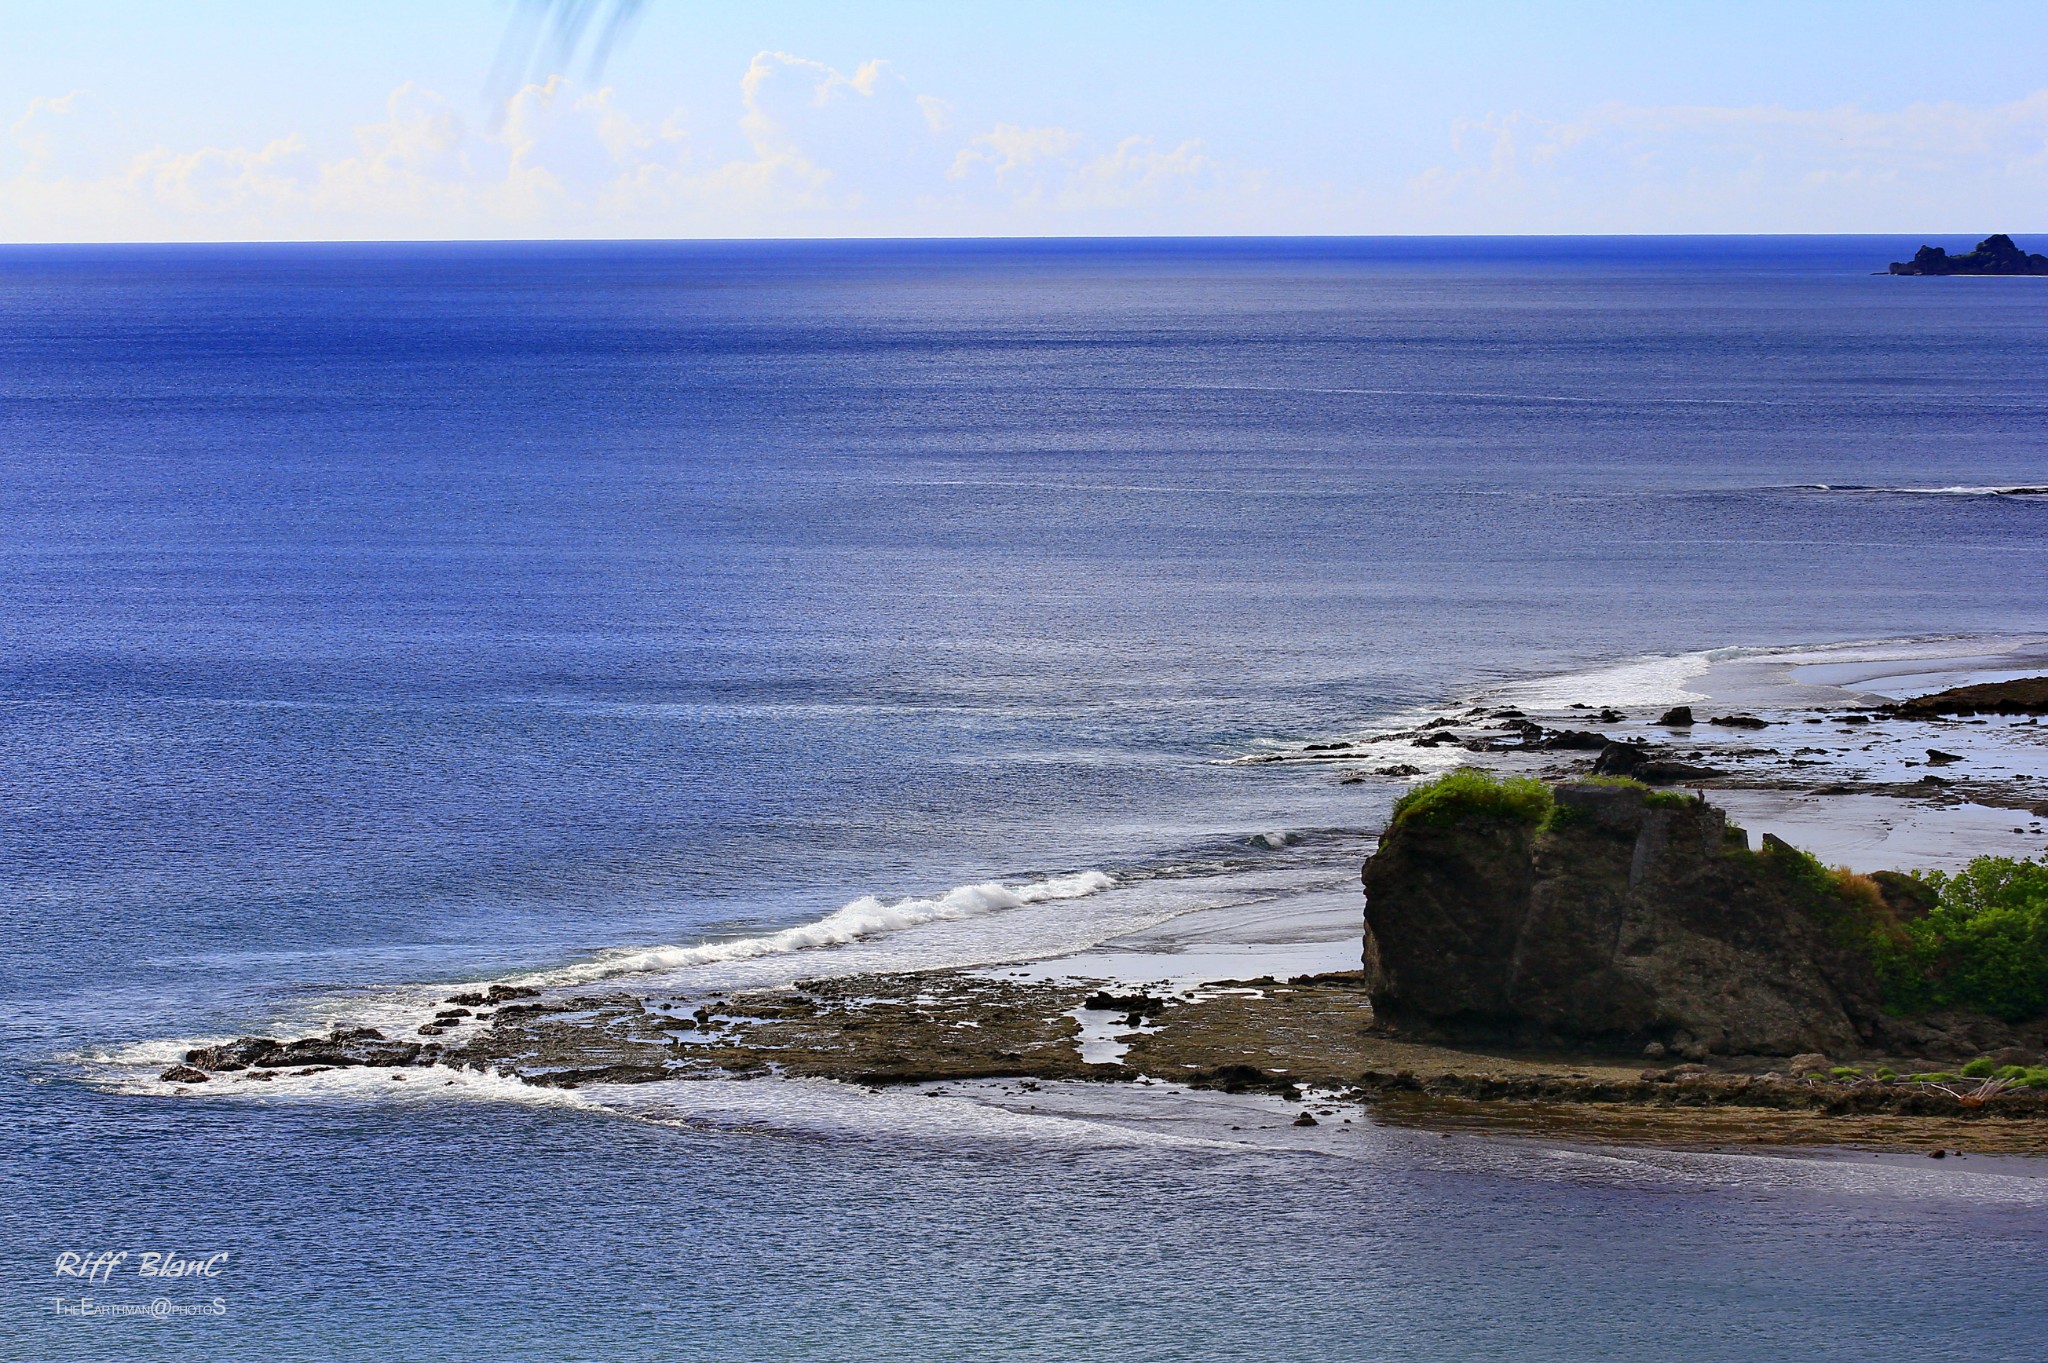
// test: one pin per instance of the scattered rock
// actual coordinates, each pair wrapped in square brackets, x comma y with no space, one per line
[183,1074]
[1677,717]
[1936,757]
[1306,1119]
[1740,722]
[1812,1062]
[1654,1049]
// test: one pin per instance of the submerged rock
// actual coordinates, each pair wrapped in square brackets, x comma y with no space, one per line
[1627,917]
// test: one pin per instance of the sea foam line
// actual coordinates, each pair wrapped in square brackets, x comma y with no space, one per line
[865,917]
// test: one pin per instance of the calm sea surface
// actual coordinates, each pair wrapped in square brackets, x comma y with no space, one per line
[381,615]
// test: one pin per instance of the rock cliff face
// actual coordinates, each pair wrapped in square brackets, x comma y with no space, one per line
[1626,918]
[1994,255]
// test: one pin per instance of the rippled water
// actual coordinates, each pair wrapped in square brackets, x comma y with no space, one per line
[380,615]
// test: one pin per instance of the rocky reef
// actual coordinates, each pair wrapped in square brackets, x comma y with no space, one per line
[1994,255]
[1603,913]
[2021,696]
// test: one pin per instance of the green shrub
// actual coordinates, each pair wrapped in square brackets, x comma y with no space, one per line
[1886,1073]
[1983,947]
[1845,1072]
[1466,793]
[1980,1068]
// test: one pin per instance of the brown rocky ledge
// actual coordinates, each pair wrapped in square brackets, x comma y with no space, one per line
[1289,1038]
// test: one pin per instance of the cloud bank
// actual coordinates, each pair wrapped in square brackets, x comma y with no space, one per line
[811,150]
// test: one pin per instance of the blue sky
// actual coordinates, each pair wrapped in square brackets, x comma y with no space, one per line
[226,120]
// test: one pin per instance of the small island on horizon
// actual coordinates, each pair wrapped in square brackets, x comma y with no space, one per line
[1995,254]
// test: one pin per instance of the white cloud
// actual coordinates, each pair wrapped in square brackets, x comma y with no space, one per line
[1622,167]
[809,149]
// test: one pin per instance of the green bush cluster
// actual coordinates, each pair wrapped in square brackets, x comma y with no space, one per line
[1466,793]
[1984,1067]
[1983,947]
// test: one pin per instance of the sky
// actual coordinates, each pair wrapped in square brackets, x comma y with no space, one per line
[230,120]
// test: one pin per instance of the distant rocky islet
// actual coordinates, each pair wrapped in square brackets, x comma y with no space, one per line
[1995,255]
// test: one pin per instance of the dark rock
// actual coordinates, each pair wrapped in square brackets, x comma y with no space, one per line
[1242,1079]
[1855,719]
[1399,769]
[1936,757]
[233,1055]
[1306,1119]
[1573,740]
[1139,1005]
[2025,696]
[1908,897]
[183,1074]
[1664,771]
[497,993]
[1677,717]
[1628,919]
[1620,759]
[1996,254]
[1740,722]
[1610,716]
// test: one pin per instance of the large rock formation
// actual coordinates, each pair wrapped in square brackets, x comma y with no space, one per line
[1994,255]
[1623,918]
[2022,696]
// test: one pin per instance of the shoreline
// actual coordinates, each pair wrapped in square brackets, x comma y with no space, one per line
[1249,997]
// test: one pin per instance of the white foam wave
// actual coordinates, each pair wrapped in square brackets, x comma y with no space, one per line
[1950,490]
[865,917]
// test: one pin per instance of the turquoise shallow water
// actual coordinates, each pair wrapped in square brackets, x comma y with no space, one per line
[383,615]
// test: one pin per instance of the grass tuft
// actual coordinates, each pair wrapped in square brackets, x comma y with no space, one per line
[1468,794]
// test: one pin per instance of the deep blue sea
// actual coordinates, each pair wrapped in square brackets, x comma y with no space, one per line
[382,615]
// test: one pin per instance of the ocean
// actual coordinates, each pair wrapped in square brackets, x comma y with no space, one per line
[390,616]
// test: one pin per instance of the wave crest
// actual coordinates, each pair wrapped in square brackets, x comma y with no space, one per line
[865,917]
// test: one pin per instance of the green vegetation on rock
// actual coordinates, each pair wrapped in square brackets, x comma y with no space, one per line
[1466,794]
[1983,947]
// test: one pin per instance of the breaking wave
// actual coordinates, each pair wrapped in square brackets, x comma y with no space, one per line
[865,917]
[1955,490]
